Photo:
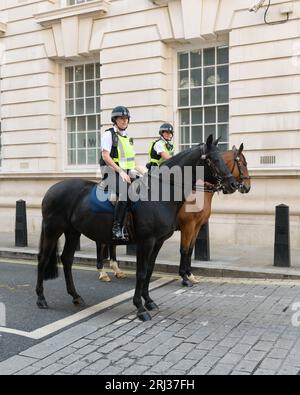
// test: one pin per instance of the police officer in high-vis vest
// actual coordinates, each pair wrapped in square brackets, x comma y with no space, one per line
[119,157]
[162,149]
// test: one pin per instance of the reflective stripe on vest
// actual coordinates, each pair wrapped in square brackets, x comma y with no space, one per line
[126,154]
[158,162]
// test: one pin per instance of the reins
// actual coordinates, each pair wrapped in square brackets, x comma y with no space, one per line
[236,162]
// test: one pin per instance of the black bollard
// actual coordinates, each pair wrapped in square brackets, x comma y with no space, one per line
[131,249]
[202,248]
[282,257]
[21,224]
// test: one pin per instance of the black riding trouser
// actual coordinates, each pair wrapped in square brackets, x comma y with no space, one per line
[120,188]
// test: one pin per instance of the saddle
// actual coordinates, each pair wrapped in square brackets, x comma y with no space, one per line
[103,201]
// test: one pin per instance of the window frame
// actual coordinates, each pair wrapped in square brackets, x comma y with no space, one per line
[187,48]
[75,168]
[64,3]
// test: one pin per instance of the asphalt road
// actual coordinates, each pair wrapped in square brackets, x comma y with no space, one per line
[17,294]
[220,326]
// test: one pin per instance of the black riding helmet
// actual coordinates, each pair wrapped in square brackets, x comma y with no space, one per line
[119,111]
[166,127]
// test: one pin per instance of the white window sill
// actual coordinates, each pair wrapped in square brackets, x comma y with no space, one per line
[93,8]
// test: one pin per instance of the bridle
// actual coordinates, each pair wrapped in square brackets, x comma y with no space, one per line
[238,161]
[206,187]
[218,186]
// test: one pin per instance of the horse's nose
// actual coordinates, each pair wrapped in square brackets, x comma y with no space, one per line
[231,186]
[234,184]
[247,188]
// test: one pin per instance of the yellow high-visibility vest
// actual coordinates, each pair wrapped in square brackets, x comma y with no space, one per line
[156,159]
[126,154]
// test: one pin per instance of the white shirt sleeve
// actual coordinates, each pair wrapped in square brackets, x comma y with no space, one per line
[106,141]
[159,147]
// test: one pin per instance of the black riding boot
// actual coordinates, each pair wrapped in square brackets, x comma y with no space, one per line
[120,212]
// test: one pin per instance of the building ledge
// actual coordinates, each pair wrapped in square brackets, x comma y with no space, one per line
[161,2]
[276,172]
[9,176]
[91,9]
[2,28]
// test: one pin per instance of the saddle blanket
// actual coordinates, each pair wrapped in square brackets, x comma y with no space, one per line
[101,201]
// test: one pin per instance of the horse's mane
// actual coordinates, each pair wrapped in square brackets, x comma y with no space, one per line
[175,160]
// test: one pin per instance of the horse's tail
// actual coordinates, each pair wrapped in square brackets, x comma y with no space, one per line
[51,269]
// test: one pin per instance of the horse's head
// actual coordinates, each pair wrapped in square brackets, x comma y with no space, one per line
[237,164]
[218,170]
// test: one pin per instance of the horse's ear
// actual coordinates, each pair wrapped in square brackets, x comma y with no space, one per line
[241,149]
[216,142]
[234,148]
[209,140]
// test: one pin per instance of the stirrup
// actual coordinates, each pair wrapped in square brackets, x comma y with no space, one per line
[125,234]
[122,236]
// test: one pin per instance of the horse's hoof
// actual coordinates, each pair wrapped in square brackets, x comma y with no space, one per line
[151,306]
[78,301]
[144,316]
[120,275]
[104,278]
[193,279]
[186,283]
[42,304]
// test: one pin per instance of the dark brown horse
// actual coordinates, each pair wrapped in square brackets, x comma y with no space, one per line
[189,223]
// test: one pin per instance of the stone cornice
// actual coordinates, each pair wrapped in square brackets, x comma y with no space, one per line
[89,9]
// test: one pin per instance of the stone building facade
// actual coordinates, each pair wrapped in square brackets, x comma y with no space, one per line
[203,65]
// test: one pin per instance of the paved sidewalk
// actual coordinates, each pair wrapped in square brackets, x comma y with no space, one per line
[232,261]
[221,326]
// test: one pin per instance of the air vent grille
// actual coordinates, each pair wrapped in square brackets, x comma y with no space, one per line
[268,160]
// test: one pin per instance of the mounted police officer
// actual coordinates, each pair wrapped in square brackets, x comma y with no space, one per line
[162,149]
[119,158]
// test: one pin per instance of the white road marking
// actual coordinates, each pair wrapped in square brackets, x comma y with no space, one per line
[208,294]
[179,292]
[122,322]
[61,324]
[205,323]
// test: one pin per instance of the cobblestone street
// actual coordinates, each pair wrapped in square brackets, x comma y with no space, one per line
[221,326]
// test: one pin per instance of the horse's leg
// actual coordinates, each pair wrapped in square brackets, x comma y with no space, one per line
[189,273]
[47,264]
[67,257]
[144,252]
[149,304]
[100,252]
[113,262]
[186,231]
